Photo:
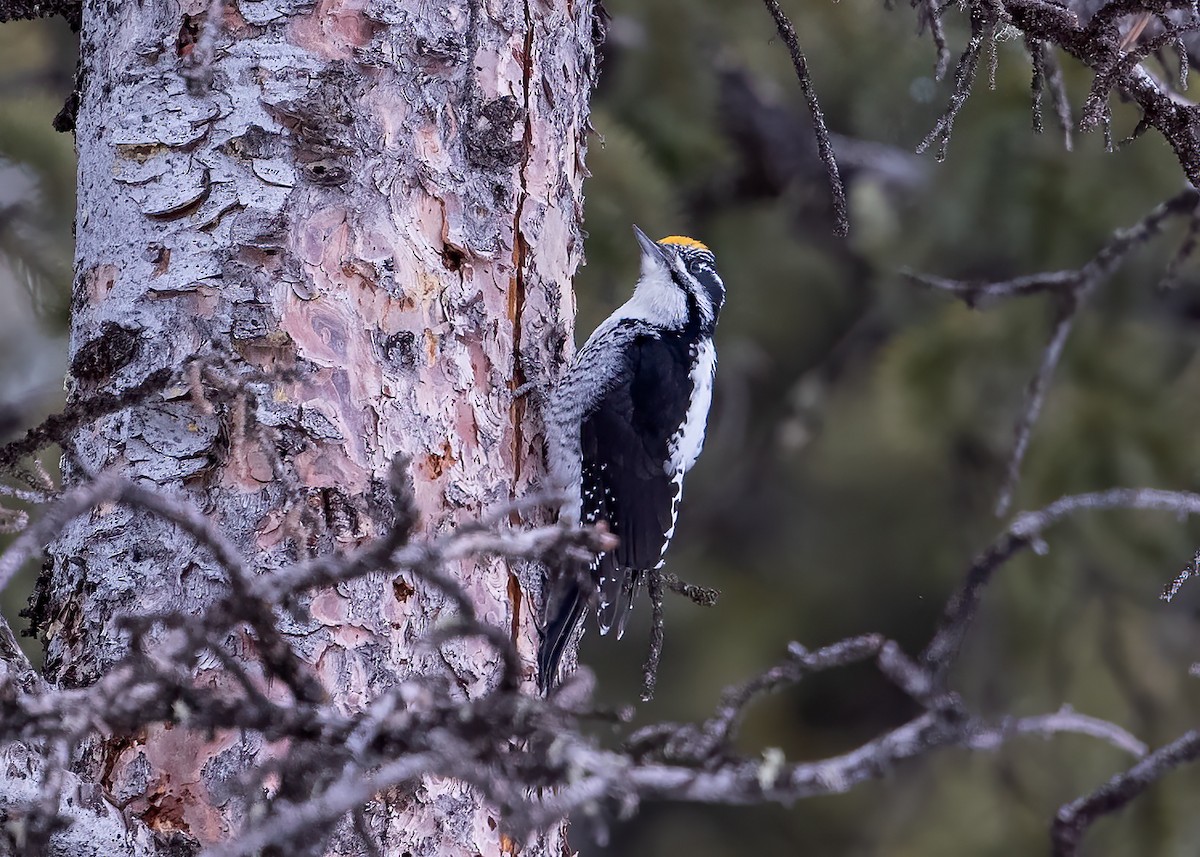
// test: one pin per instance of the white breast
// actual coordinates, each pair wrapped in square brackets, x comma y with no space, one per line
[685,445]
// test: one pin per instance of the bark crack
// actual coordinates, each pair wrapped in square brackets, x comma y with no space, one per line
[517,292]
[516,302]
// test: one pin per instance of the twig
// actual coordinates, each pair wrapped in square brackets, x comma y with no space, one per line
[1097,47]
[702,596]
[436,733]
[1172,588]
[1025,531]
[1095,106]
[420,558]
[932,15]
[72,504]
[1035,396]
[746,781]
[1186,248]
[56,428]
[841,217]
[1073,288]
[1090,276]
[964,78]
[341,797]
[1111,254]
[1058,95]
[719,730]
[1047,74]
[1074,818]
[979,294]
[654,590]
[1065,719]
[1038,58]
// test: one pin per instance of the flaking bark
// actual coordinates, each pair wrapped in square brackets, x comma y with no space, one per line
[379,201]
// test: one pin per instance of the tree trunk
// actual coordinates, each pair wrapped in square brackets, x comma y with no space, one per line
[378,201]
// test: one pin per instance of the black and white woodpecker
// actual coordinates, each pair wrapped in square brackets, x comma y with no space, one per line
[624,425]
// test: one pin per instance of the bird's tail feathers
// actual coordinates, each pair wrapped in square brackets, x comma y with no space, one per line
[618,588]
[566,604]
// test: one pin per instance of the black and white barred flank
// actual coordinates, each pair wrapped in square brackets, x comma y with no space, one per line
[625,424]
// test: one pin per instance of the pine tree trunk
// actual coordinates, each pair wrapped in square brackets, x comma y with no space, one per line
[380,199]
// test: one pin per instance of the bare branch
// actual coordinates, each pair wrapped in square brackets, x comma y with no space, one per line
[841,217]
[1076,817]
[56,428]
[1026,531]
[1186,248]
[1065,719]
[72,504]
[420,728]
[1058,95]
[1172,588]
[964,78]
[1073,287]
[344,795]
[1036,396]
[1047,73]
[1097,46]
[928,12]
[700,595]
[978,294]
[650,670]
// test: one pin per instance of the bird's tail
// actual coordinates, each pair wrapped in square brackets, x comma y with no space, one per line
[566,603]
[618,588]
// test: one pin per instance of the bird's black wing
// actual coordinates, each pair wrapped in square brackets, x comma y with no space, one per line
[627,481]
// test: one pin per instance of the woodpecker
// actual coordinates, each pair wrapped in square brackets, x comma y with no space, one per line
[624,425]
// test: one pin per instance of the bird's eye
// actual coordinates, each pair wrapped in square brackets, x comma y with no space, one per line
[696,266]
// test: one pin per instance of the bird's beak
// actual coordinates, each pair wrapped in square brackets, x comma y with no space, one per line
[651,252]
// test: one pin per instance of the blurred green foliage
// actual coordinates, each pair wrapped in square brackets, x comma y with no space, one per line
[37,166]
[37,204]
[862,424]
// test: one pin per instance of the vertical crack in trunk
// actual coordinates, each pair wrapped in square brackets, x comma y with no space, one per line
[516,303]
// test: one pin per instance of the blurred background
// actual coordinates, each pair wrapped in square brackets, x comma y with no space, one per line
[37,204]
[861,424]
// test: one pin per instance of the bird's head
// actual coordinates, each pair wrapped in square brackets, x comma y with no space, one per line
[684,264]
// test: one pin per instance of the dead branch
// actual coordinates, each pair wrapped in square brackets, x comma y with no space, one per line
[964,78]
[1047,73]
[654,586]
[1074,818]
[62,425]
[1035,396]
[1065,719]
[841,217]
[1026,531]
[930,14]
[1072,288]
[510,745]
[1190,571]
[532,757]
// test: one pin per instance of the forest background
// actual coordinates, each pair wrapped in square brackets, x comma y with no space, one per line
[862,423]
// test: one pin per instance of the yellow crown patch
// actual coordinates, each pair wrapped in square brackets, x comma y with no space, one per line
[684,241]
